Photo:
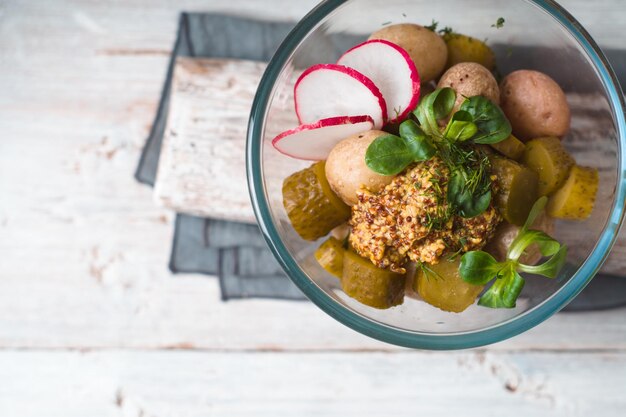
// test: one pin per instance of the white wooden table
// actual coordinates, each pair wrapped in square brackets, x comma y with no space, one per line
[93,324]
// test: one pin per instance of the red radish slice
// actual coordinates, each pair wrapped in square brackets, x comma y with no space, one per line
[314,141]
[392,70]
[329,90]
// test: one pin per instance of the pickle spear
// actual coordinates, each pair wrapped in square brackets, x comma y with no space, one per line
[517,189]
[510,147]
[441,285]
[370,285]
[575,200]
[547,157]
[312,207]
[330,256]
[462,48]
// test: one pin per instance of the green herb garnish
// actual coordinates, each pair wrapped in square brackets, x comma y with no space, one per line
[499,23]
[479,268]
[492,124]
[461,127]
[417,141]
[433,107]
[433,25]
[390,154]
[478,121]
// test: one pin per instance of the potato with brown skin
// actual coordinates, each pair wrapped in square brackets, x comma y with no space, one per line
[470,79]
[346,170]
[498,246]
[534,104]
[425,47]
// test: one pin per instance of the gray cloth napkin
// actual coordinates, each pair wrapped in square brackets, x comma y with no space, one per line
[236,252]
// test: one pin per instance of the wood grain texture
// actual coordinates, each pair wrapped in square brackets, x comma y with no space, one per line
[83,260]
[84,248]
[202,165]
[164,384]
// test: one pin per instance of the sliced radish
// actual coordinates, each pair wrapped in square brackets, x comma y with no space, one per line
[392,70]
[314,141]
[329,90]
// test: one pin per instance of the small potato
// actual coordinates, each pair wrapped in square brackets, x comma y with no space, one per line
[470,79]
[534,104]
[346,170]
[498,246]
[426,48]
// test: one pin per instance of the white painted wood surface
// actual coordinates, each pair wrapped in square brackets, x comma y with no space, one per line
[202,167]
[93,324]
[142,383]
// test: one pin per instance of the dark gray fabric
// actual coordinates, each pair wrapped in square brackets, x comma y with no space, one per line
[237,252]
[191,252]
[252,272]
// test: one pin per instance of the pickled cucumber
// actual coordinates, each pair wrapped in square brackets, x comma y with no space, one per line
[510,147]
[517,189]
[547,157]
[312,207]
[441,285]
[370,285]
[330,256]
[462,48]
[575,199]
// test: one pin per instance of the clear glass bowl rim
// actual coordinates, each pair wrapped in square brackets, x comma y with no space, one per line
[391,334]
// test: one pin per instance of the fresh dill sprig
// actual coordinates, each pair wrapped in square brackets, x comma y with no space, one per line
[433,26]
[499,23]
[427,272]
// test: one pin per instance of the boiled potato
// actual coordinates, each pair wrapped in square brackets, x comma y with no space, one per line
[312,207]
[575,199]
[469,79]
[370,285]
[441,285]
[425,47]
[534,104]
[330,256]
[517,189]
[499,244]
[346,170]
[547,157]
[510,147]
[462,48]
[341,232]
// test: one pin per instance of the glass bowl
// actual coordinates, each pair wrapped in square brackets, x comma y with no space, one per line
[555,43]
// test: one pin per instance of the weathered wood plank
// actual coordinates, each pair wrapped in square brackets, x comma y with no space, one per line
[202,164]
[163,384]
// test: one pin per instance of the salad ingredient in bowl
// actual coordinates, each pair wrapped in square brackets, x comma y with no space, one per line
[448,197]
